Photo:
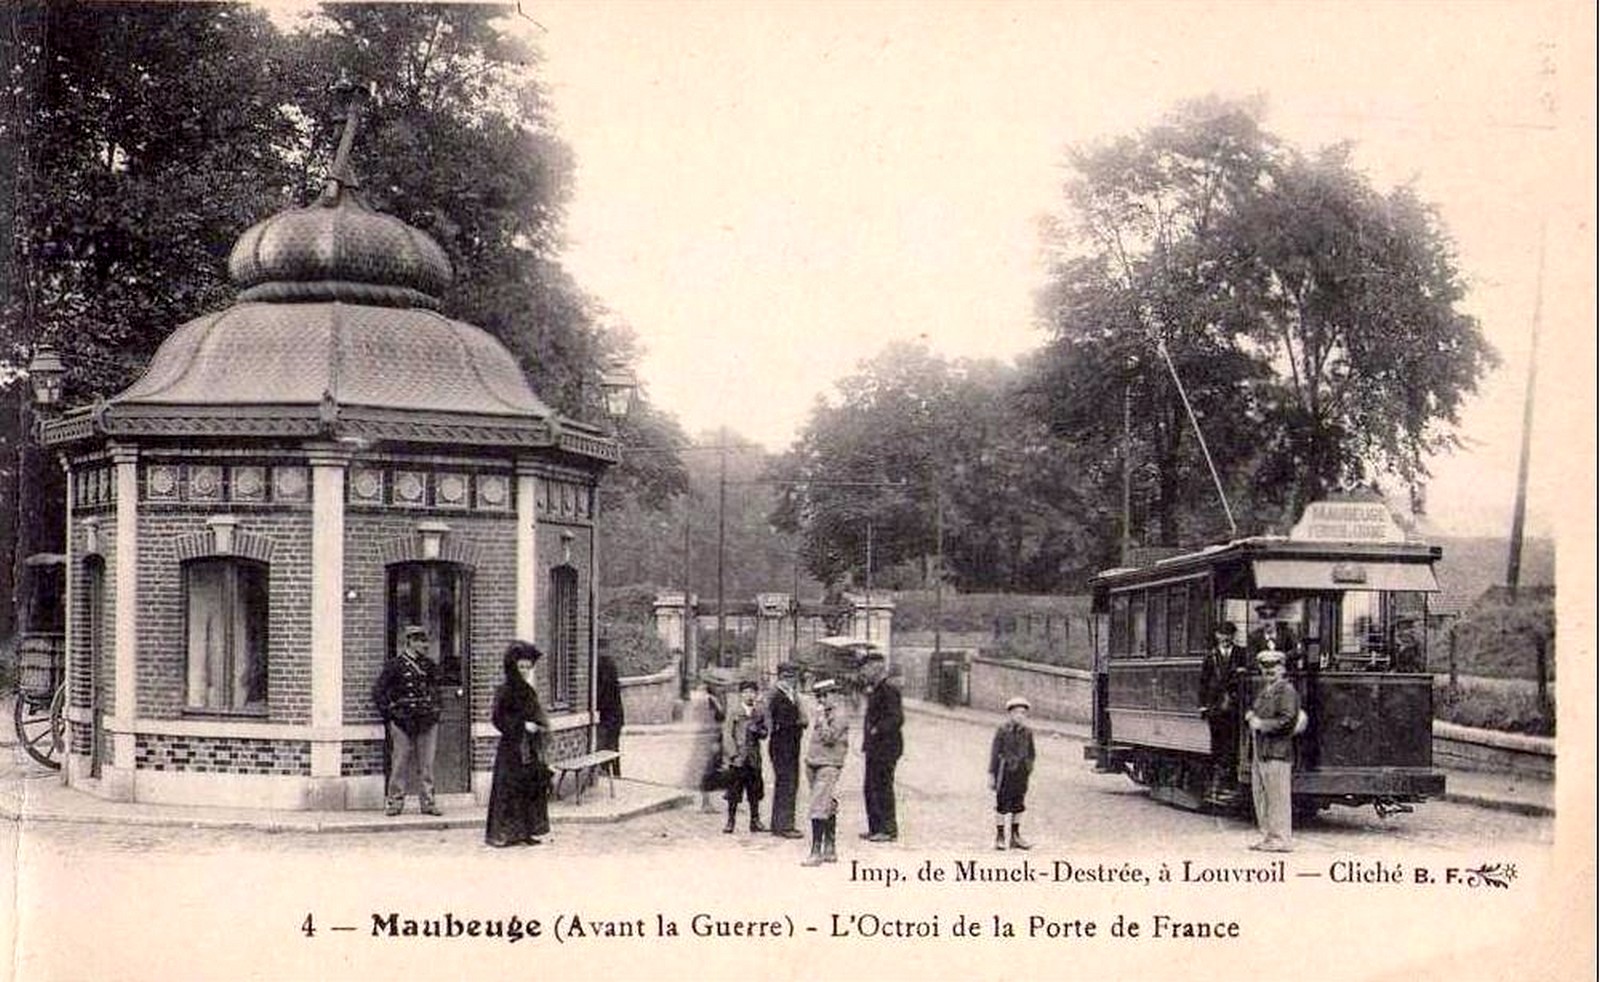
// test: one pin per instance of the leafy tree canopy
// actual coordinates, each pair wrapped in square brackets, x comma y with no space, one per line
[137,141]
[1312,318]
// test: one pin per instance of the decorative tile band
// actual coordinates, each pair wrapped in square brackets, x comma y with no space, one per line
[361,758]
[216,755]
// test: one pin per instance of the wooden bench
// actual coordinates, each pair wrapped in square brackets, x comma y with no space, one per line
[583,770]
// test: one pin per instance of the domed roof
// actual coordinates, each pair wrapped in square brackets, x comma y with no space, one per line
[285,354]
[336,333]
[339,249]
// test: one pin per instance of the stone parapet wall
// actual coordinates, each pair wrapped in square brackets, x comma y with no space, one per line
[648,699]
[1065,694]
[1469,749]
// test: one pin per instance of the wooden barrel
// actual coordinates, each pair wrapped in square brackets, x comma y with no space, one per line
[39,661]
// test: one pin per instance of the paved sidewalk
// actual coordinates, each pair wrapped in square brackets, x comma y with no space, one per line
[1503,792]
[35,795]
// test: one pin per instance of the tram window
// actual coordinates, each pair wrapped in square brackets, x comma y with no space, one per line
[1177,620]
[1138,644]
[1156,616]
[1199,602]
[1119,624]
[1360,622]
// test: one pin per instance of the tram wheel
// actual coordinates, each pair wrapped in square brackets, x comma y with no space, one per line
[42,726]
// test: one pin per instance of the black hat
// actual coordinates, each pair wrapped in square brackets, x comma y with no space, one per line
[788,670]
[748,684]
[1226,627]
[523,651]
[414,631]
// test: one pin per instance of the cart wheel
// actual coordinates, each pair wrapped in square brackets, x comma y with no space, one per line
[42,726]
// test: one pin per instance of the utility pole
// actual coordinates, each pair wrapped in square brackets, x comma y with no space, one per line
[938,567]
[722,535]
[1127,473]
[869,579]
[1520,509]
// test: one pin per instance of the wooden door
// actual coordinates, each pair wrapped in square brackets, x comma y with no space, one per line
[436,596]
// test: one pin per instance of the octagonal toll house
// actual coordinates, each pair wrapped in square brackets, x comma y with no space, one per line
[292,481]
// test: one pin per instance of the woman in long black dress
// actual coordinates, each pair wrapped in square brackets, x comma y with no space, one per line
[519,795]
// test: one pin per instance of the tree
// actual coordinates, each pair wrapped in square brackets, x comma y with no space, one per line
[1354,299]
[1312,320]
[139,141]
[913,435]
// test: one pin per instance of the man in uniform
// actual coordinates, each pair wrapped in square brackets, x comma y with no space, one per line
[407,697]
[1224,663]
[786,724]
[1272,719]
[882,745]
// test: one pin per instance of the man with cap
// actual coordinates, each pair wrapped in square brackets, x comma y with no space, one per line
[1224,664]
[786,724]
[1010,764]
[825,756]
[407,698]
[881,743]
[742,731]
[1272,719]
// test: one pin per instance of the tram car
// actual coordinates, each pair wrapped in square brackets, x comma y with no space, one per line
[1344,596]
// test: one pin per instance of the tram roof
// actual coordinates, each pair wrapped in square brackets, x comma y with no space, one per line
[1278,561]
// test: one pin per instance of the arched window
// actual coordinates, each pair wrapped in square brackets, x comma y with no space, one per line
[563,636]
[226,633]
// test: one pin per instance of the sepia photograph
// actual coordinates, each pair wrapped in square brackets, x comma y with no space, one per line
[832,490]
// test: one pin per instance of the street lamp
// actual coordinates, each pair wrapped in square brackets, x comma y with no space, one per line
[46,373]
[618,384]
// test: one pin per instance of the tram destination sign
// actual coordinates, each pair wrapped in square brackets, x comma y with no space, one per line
[1347,521]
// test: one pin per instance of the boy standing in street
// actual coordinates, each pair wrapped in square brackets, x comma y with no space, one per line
[825,756]
[741,751]
[1010,764]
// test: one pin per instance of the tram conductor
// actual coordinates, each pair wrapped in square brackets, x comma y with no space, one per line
[1273,719]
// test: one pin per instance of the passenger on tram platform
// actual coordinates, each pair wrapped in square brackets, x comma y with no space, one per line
[1224,662]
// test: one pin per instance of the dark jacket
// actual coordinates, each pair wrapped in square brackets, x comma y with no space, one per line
[1217,677]
[1276,707]
[608,694]
[1012,749]
[882,722]
[407,693]
[742,732]
[786,718]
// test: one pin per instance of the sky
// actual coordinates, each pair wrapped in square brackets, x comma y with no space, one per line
[770,193]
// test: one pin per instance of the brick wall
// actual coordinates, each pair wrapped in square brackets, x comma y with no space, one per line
[361,758]
[491,540]
[227,755]
[552,552]
[162,643]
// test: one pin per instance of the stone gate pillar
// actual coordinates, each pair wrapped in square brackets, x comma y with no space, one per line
[872,618]
[773,634]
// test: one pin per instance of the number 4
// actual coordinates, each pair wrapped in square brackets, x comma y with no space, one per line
[309,926]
